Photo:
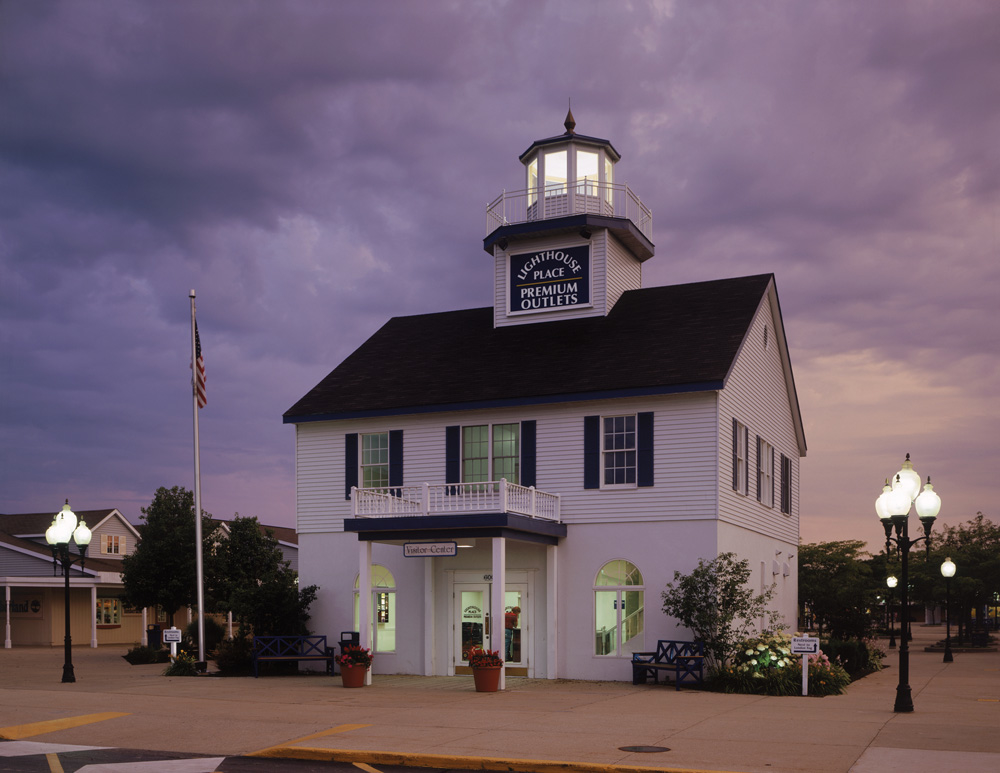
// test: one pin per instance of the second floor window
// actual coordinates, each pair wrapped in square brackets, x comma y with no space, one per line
[375,460]
[765,472]
[619,451]
[491,452]
[113,544]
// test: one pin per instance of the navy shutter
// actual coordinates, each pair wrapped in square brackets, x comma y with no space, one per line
[772,477]
[591,452]
[644,446]
[453,454]
[396,457]
[746,462]
[736,466]
[527,453]
[350,463]
[757,468]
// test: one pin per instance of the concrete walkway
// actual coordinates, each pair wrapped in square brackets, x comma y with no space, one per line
[443,721]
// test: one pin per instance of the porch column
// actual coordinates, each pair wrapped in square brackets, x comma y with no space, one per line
[429,617]
[6,606]
[552,611]
[365,599]
[145,627]
[497,589]
[93,616]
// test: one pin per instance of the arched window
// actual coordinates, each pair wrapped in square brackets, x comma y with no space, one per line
[383,608]
[618,609]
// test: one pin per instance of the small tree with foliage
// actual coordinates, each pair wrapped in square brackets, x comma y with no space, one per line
[718,606]
[251,579]
[836,582]
[161,571]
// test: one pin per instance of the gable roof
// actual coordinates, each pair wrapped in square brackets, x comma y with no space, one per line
[657,340]
[35,524]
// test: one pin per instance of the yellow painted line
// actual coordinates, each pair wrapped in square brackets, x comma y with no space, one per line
[469,763]
[17,732]
[366,768]
[55,766]
[331,731]
[989,700]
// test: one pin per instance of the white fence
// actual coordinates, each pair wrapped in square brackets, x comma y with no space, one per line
[581,197]
[444,498]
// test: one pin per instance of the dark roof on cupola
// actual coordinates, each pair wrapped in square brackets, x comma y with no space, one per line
[657,340]
[570,124]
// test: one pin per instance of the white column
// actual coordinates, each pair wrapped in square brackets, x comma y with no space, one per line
[496,600]
[365,598]
[229,622]
[429,616]
[552,611]
[6,606]
[145,627]
[93,616]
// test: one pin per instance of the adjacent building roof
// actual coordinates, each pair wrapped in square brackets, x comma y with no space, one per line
[656,340]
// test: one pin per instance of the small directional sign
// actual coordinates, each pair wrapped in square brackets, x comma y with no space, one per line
[171,635]
[805,645]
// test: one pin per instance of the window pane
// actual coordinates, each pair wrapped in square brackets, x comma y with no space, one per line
[586,172]
[375,460]
[475,453]
[506,454]
[606,618]
[555,173]
[632,621]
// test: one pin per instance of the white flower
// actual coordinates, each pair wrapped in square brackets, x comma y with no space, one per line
[749,652]
[754,661]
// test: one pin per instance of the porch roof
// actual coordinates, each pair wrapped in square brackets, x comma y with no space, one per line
[452,526]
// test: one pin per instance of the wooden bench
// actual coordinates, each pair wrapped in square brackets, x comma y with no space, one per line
[686,659]
[291,648]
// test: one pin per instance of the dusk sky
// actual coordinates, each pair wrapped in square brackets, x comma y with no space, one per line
[314,168]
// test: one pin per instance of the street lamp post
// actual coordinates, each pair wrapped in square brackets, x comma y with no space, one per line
[891,581]
[947,571]
[893,508]
[64,527]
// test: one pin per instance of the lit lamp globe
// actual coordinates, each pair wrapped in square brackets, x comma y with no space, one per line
[948,568]
[898,500]
[82,534]
[909,479]
[928,504]
[881,508]
[891,581]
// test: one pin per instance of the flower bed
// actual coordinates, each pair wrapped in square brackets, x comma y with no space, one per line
[766,666]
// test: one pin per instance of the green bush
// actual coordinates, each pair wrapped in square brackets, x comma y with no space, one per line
[852,654]
[234,657]
[214,633]
[140,654]
[181,665]
[766,666]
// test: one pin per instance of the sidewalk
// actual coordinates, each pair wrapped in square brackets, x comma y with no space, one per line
[442,720]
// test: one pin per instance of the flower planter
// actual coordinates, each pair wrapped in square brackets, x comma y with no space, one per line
[353,676]
[487,678]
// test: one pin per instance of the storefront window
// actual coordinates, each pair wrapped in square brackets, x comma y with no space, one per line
[383,608]
[109,611]
[618,609]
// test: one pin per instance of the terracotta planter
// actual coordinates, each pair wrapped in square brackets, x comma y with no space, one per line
[487,678]
[353,676]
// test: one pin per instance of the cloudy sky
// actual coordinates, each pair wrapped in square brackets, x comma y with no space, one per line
[313,168]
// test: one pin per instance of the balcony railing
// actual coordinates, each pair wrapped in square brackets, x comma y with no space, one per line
[575,198]
[454,498]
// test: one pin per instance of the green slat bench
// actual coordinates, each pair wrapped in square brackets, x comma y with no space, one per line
[289,648]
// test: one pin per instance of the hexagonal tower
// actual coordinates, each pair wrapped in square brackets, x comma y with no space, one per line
[573,240]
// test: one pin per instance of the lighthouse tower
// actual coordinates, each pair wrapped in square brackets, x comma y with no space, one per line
[573,240]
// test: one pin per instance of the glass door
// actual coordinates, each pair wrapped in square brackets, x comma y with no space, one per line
[472,620]
[473,625]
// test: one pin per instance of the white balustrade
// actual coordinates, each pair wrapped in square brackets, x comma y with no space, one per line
[443,498]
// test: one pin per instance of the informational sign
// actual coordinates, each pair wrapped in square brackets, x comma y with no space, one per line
[550,279]
[805,646]
[171,635]
[430,549]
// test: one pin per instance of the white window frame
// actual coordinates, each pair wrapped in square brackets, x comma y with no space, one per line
[742,465]
[113,545]
[765,473]
[490,445]
[383,583]
[363,465]
[640,638]
[633,449]
[111,603]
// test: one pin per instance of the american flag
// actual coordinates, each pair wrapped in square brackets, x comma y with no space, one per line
[199,380]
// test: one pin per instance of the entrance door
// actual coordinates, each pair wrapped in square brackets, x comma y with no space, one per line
[474,623]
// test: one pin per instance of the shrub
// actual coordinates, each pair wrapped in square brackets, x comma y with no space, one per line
[826,677]
[234,657]
[181,665]
[140,654]
[852,654]
[766,666]
[214,633]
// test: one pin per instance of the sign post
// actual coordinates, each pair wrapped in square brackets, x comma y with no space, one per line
[805,646]
[172,636]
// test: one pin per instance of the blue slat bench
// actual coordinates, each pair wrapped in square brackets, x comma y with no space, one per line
[686,659]
[291,648]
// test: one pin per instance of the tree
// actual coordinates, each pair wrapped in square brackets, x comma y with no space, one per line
[836,583]
[162,569]
[251,579]
[718,606]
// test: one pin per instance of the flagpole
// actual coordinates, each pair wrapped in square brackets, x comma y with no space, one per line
[197,488]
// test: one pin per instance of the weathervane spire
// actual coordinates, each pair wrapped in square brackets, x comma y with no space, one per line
[570,122]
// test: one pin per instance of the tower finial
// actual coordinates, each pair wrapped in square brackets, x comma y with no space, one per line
[570,122]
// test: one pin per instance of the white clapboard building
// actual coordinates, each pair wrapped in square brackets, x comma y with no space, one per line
[582,439]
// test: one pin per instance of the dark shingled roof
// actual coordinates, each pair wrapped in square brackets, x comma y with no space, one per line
[655,341]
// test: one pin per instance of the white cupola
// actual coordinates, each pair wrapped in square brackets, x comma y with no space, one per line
[573,240]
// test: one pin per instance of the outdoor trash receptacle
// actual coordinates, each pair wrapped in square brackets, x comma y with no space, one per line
[154,636]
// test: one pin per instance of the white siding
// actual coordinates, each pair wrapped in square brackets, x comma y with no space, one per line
[624,272]
[685,456]
[756,395]
[116,527]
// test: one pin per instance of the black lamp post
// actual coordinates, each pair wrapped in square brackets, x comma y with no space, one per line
[64,527]
[891,581]
[893,508]
[948,571]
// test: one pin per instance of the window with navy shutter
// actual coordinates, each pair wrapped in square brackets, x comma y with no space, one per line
[786,484]
[591,452]
[453,454]
[528,453]
[741,461]
[644,447]
[350,463]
